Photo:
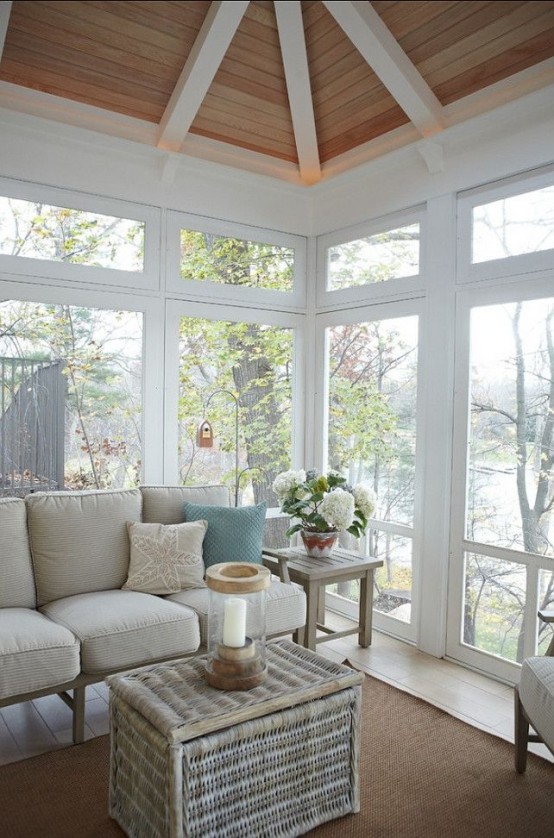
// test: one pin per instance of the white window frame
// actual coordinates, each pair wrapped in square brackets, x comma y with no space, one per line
[49,272]
[175,310]
[404,308]
[525,263]
[258,297]
[518,288]
[396,288]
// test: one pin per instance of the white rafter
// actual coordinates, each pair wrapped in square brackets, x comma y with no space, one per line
[387,59]
[206,55]
[5,9]
[295,62]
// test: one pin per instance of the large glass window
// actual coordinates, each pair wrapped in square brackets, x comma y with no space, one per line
[234,261]
[237,377]
[71,396]
[374,258]
[510,480]
[511,452]
[372,375]
[39,230]
[513,226]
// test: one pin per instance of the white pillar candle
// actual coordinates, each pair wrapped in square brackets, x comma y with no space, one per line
[234,622]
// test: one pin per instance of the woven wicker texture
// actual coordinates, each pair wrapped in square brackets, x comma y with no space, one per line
[276,760]
[175,699]
[281,774]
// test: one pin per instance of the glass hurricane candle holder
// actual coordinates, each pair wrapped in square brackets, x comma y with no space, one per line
[236,625]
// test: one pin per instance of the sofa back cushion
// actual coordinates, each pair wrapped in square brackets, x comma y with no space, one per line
[164,504]
[79,540]
[17,585]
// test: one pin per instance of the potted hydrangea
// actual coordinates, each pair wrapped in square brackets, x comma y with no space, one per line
[323,505]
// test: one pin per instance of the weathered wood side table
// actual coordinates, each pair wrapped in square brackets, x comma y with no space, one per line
[294,565]
[188,760]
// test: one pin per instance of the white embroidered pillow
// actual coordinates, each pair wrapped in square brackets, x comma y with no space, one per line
[165,558]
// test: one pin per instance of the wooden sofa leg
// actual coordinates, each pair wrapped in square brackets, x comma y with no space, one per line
[79,715]
[521,734]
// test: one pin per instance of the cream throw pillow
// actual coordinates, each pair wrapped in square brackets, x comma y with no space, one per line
[165,558]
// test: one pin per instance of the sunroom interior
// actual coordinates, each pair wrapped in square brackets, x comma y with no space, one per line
[327,229]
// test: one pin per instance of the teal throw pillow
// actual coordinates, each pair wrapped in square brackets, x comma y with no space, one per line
[234,534]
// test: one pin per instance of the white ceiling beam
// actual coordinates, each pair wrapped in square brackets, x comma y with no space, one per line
[206,55]
[387,59]
[295,61]
[5,9]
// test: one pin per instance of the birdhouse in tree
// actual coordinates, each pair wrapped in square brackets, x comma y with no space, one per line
[205,435]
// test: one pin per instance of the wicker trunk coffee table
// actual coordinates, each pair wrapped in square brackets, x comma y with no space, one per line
[191,760]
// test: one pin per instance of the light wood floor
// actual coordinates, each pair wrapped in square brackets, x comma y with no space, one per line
[45,724]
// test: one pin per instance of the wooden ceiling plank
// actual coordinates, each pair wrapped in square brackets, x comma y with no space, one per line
[295,62]
[333,72]
[505,33]
[212,42]
[364,133]
[405,18]
[108,24]
[87,49]
[56,62]
[255,61]
[259,109]
[358,100]
[168,53]
[352,84]
[446,30]
[5,10]
[169,18]
[215,119]
[504,66]
[347,119]
[382,52]
[107,72]
[57,85]
[236,129]
[246,144]
[262,88]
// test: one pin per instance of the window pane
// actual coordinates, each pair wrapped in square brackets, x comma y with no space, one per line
[512,226]
[393,581]
[376,258]
[372,410]
[59,234]
[230,370]
[494,600]
[228,261]
[511,451]
[71,394]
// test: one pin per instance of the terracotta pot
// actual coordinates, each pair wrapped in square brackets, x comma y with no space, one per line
[319,544]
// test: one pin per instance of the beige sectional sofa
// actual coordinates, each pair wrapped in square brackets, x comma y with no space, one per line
[65,621]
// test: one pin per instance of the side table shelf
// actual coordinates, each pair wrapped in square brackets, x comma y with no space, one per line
[294,565]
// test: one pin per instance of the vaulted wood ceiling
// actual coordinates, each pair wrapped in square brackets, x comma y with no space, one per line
[299,90]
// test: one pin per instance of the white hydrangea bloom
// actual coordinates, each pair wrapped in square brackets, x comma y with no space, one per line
[287,480]
[338,509]
[365,498]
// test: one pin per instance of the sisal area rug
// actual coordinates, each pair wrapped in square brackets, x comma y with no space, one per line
[423,773]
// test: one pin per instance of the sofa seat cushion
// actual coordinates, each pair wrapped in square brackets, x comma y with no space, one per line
[35,653]
[285,607]
[124,629]
[536,691]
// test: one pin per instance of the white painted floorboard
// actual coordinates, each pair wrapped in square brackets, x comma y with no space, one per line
[45,724]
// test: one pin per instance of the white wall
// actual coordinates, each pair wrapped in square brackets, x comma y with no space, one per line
[33,149]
